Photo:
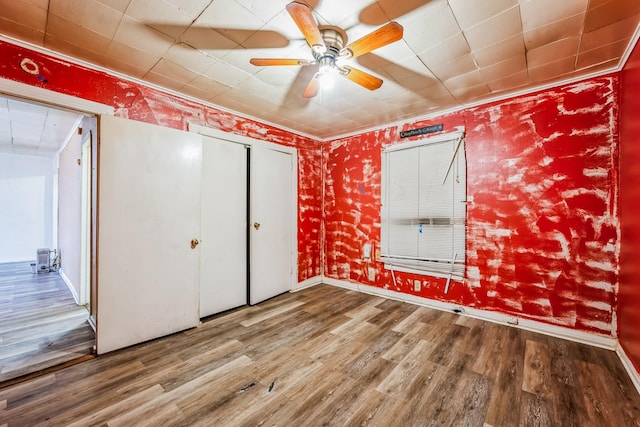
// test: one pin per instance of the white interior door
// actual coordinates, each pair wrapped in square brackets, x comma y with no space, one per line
[149,212]
[223,251]
[272,216]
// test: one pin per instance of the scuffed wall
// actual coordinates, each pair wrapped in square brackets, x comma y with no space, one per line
[542,237]
[138,102]
[629,296]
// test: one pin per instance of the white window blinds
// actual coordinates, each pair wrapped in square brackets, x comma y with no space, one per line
[424,205]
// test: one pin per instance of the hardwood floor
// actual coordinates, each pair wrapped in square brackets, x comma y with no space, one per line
[40,324]
[328,356]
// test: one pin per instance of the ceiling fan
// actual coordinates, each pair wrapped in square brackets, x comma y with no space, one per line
[328,49]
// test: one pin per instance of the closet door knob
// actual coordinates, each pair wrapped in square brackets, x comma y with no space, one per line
[256,225]
[194,243]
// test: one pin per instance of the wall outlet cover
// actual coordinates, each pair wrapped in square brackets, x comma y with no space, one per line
[372,273]
[366,251]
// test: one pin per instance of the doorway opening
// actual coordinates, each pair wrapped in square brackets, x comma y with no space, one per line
[46,207]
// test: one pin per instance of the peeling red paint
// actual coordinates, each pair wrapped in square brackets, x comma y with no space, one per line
[543,232]
[145,104]
[542,228]
[629,296]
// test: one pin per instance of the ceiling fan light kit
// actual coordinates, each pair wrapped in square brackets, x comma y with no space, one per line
[328,49]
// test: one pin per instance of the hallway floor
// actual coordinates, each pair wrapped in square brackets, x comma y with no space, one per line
[40,324]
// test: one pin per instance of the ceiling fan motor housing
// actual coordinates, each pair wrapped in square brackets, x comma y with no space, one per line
[328,49]
[334,39]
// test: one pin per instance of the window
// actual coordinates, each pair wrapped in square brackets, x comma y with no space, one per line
[424,206]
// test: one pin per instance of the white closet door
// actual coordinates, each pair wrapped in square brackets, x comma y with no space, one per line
[149,212]
[271,223]
[223,251]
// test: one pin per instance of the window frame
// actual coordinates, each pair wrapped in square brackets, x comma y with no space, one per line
[451,267]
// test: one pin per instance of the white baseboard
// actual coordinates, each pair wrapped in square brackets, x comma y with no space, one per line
[629,367]
[341,283]
[595,340]
[70,286]
[601,341]
[312,281]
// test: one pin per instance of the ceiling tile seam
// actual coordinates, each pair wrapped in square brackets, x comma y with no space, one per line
[207,54]
[46,22]
[489,18]
[47,33]
[425,66]
[524,46]
[145,75]
[198,16]
[584,19]
[315,12]
[112,41]
[162,56]
[42,128]
[550,23]
[475,62]
[386,15]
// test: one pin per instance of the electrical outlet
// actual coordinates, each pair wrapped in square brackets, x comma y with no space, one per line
[366,251]
[416,285]
[372,274]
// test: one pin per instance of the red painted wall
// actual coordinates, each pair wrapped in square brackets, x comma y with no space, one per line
[542,239]
[542,230]
[138,102]
[629,294]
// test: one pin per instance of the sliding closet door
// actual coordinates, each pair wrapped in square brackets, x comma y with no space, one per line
[272,216]
[223,261]
[148,230]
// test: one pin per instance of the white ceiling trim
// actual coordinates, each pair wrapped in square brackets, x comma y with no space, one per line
[630,47]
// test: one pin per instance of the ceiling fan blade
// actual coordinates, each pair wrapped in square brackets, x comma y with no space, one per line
[301,14]
[261,62]
[381,37]
[313,87]
[365,80]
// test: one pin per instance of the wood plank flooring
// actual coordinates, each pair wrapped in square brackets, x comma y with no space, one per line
[328,356]
[40,324]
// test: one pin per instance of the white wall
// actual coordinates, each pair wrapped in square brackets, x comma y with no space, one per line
[26,206]
[69,211]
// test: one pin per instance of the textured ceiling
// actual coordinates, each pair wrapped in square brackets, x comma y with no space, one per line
[453,52]
[32,129]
